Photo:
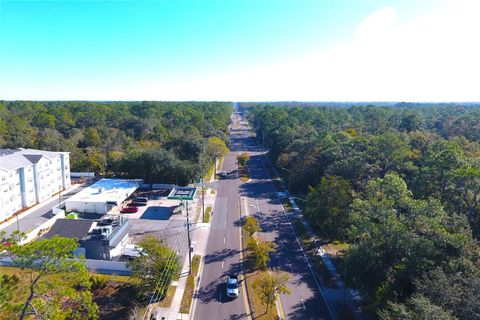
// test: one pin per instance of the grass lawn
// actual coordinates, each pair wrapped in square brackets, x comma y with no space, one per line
[209,174]
[219,165]
[167,301]
[287,205]
[260,309]
[336,251]
[243,173]
[208,213]
[190,287]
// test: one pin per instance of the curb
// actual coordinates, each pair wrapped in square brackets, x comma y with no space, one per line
[244,273]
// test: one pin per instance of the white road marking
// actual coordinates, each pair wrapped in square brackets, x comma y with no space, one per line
[222,264]
[224,240]
[304,308]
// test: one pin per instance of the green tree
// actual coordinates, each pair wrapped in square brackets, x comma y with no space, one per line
[327,206]
[91,138]
[242,159]
[268,287]
[58,285]
[417,307]
[156,262]
[260,250]
[215,148]
[251,226]
[8,286]
[467,183]
[436,166]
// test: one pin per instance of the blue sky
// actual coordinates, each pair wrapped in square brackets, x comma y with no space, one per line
[237,50]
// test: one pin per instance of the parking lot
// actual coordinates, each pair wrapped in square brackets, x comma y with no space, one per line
[160,216]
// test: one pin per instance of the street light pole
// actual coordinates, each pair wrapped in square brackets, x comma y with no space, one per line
[203,199]
[189,242]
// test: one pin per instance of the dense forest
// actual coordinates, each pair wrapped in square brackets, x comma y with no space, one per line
[401,185]
[159,141]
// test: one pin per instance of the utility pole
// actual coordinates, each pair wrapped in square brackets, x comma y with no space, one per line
[203,199]
[189,242]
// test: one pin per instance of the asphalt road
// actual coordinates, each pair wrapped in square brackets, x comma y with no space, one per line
[40,215]
[222,256]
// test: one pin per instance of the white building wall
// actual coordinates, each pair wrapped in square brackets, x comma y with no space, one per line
[118,250]
[11,199]
[27,185]
[65,170]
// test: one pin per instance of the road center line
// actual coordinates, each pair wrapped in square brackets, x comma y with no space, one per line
[222,264]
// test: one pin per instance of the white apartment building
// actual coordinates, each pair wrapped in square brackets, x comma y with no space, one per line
[29,176]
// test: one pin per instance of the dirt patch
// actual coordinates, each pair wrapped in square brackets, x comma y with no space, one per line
[114,300]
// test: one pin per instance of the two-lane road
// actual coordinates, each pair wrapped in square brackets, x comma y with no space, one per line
[223,257]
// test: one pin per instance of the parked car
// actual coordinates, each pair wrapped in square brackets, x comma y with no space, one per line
[232,286]
[130,209]
[222,174]
[140,199]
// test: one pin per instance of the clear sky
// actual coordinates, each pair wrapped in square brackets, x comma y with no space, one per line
[323,50]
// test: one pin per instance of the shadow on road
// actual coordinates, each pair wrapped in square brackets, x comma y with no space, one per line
[220,255]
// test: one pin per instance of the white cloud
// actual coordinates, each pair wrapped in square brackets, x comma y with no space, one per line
[434,57]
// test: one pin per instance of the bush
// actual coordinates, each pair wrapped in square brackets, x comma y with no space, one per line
[98,282]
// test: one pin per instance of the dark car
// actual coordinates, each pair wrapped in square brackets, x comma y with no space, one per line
[222,174]
[140,199]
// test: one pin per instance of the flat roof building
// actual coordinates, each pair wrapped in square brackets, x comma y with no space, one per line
[102,239]
[102,196]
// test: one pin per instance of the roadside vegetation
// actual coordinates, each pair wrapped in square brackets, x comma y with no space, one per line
[263,285]
[154,270]
[190,286]
[393,191]
[45,281]
[242,160]
[208,213]
[171,142]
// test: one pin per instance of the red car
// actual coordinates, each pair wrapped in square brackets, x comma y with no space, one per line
[130,209]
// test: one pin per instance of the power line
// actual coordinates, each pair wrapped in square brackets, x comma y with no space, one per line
[164,275]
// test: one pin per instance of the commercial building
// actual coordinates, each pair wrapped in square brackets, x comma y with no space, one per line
[102,239]
[29,176]
[102,196]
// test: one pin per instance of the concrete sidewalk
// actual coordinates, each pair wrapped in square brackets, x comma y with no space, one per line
[199,235]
